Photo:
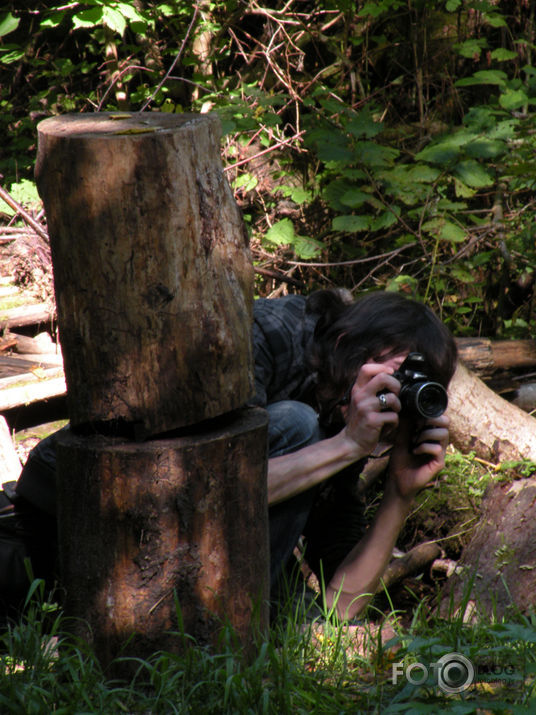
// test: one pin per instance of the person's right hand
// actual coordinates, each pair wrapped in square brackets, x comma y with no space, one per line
[365,416]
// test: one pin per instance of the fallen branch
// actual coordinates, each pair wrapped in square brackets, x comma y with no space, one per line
[25,216]
[414,562]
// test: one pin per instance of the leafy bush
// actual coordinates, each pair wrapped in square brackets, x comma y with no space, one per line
[371,144]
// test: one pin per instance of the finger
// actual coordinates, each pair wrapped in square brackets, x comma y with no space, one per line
[388,402]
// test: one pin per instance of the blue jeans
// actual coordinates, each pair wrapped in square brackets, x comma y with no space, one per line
[292,425]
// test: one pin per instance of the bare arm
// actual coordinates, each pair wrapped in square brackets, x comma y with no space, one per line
[293,473]
[358,577]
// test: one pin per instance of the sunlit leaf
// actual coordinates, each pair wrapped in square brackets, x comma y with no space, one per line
[281,233]
[513,99]
[8,23]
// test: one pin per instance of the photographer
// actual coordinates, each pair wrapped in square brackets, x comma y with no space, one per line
[340,358]
[324,372]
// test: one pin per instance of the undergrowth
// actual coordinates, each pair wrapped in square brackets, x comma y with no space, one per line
[316,667]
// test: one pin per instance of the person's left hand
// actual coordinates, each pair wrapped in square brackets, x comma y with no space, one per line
[417,457]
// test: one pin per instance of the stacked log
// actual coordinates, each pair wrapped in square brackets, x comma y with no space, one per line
[162,484]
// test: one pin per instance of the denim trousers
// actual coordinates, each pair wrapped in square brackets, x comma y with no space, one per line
[292,425]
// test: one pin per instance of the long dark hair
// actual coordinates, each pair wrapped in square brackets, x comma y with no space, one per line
[347,335]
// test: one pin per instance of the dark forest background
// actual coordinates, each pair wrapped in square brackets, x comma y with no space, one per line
[369,144]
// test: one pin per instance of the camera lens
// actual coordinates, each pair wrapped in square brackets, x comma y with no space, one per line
[430,399]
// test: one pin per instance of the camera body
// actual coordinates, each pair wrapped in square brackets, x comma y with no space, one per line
[418,394]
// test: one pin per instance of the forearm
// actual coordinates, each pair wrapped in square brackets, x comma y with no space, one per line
[293,473]
[357,578]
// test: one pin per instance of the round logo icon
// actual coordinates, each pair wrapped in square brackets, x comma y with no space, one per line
[455,673]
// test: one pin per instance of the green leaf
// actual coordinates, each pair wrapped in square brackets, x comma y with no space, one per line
[114,20]
[471,48]
[246,181]
[363,125]
[334,150]
[501,54]
[354,198]
[8,23]
[306,247]
[513,99]
[88,18]
[374,155]
[281,233]
[473,174]
[386,219]
[484,148]
[452,5]
[441,152]
[495,20]
[461,190]
[445,229]
[297,194]
[351,223]
[484,77]
[452,232]
[53,20]
[10,57]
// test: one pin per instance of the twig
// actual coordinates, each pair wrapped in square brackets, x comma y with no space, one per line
[177,58]
[10,201]
[368,259]
[264,151]
[116,80]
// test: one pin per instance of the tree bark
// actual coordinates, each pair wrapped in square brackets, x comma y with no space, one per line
[484,423]
[484,356]
[497,570]
[143,524]
[149,249]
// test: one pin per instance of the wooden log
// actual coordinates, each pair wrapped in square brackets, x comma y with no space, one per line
[28,388]
[37,314]
[149,250]
[484,356]
[414,562]
[143,523]
[10,465]
[483,422]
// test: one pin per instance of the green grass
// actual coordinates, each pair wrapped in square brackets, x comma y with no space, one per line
[296,669]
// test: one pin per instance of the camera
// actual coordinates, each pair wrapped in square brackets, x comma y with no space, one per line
[418,394]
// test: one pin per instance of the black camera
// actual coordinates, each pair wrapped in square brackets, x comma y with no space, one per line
[418,394]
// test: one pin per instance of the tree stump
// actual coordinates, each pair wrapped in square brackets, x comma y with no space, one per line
[152,272]
[154,292]
[499,561]
[143,524]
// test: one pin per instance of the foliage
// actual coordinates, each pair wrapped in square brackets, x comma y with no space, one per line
[316,668]
[371,144]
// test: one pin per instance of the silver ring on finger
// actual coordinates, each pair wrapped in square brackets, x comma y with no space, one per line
[383,402]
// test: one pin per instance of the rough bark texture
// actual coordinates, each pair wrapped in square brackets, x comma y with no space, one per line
[498,566]
[141,524]
[483,422]
[148,247]
[484,355]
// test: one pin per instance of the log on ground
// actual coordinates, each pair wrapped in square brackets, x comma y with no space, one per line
[483,422]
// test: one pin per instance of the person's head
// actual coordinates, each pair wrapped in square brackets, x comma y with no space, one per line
[378,325]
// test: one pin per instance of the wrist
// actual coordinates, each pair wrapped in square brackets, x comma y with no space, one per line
[394,492]
[350,449]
